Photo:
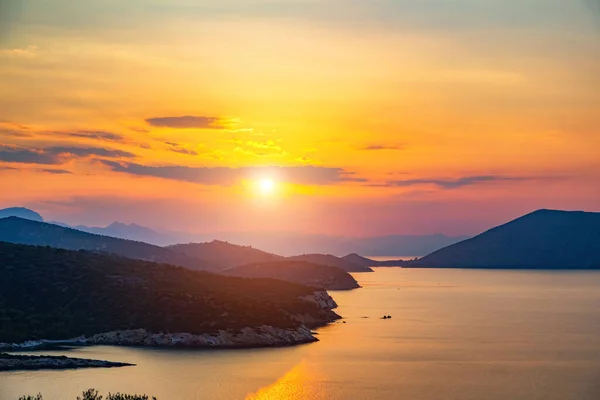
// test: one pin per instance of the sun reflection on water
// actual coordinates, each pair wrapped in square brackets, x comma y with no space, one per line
[299,383]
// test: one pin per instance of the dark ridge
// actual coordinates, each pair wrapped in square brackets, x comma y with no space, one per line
[23,231]
[332,261]
[48,293]
[544,239]
[226,254]
[21,212]
[319,276]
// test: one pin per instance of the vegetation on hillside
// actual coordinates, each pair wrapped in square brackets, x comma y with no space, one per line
[48,293]
[226,254]
[332,261]
[23,231]
[319,276]
[92,394]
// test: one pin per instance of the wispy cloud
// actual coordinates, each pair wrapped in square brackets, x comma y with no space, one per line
[455,182]
[56,155]
[183,150]
[188,121]
[306,175]
[55,171]
[382,147]
[96,135]
[14,133]
[24,52]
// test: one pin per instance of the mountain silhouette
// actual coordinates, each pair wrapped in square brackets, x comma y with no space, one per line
[50,293]
[544,239]
[319,276]
[367,262]
[128,231]
[21,212]
[332,261]
[282,243]
[226,254]
[23,231]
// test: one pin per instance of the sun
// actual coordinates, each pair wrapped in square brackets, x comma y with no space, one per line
[265,186]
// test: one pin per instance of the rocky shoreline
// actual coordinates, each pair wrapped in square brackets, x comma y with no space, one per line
[261,336]
[12,362]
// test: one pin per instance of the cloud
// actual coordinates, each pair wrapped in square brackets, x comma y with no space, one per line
[178,148]
[97,135]
[27,156]
[25,52]
[187,121]
[306,175]
[14,133]
[454,183]
[381,147]
[89,151]
[55,155]
[55,171]
[183,150]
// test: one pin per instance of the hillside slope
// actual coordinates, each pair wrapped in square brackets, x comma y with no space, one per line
[367,262]
[330,260]
[21,212]
[226,254]
[319,276]
[48,293]
[22,231]
[544,239]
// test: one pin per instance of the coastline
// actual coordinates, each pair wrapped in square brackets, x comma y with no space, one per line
[13,362]
[248,337]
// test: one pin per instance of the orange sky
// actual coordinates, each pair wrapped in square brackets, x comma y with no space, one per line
[372,117]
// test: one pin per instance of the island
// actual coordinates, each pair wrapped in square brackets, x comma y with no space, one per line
[13,362]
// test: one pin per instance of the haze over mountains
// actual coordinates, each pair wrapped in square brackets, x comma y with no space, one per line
[215,256]
[545,239]
[542,239]
[283,243]
[24,231]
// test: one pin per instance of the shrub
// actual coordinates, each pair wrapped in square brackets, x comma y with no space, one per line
[92,394]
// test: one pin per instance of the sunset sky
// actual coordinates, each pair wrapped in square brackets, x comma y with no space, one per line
[368,117]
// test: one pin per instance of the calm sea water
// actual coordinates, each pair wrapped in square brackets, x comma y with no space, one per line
[454,335]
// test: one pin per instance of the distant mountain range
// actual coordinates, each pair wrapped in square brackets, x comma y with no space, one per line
[215,256]
[283,243]
[21,212]
[24,231]
[544,239]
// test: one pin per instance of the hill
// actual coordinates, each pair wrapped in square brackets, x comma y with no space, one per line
[367,262]
[319,276]
[332,261]
[18,230]
[226,254]
[21,212]
[126,231]
[48,293]
[544,239]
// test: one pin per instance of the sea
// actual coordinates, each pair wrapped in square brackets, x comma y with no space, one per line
[454,334]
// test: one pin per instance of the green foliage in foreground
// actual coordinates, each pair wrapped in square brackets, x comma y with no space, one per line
[92,394]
